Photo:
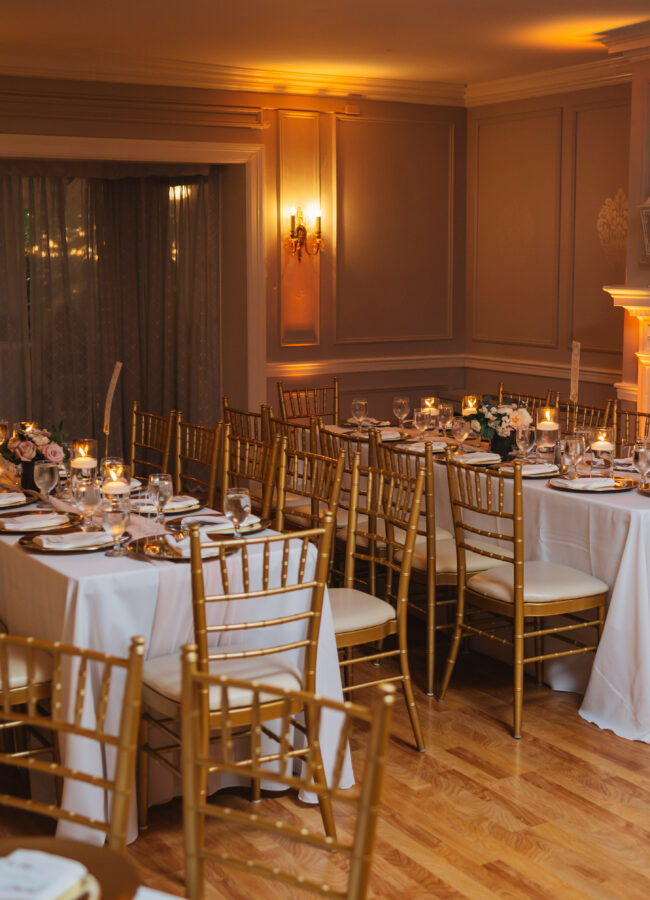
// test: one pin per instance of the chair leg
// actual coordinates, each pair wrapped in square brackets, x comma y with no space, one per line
[431,639]
[56,757]
[518,681]
[324,800]
[408,692]
[143,775]
[539,650]
[455,644]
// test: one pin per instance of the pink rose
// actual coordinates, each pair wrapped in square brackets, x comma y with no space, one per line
[26,451]
[53,453]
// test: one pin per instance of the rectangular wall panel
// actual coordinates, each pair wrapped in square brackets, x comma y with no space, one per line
[299,175]
[600,230]
[394,230]
[517,229]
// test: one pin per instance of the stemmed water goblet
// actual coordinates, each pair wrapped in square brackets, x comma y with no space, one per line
[161,488]
[359,411]
[46,478]
[87,496]
[461,429]
[401,409]
[115,517]
[642,459]
[421,420]
[525,439]
[445,416]
[574,449]
[237,507]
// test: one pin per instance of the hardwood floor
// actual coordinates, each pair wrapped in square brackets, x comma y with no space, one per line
[562,813]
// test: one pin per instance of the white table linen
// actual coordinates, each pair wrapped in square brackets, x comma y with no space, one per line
[93,601]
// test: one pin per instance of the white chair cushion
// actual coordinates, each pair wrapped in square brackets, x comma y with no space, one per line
[354,610]
[296,501]
[161,679]
[305,510]
[543,583]
[441,534]
[18,673]
[446,557]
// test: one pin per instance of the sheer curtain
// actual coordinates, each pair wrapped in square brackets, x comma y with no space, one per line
[120,268]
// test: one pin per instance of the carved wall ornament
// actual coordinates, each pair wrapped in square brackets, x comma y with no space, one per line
[612,222]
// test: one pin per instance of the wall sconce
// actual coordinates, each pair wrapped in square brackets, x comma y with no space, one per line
[299,240]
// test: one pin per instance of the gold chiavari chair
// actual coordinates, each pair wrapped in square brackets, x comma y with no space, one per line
[90,667]
[303,403]
[580,415]
[382,528]
[631,426]
[299,436]
[490,506]
[247,640]
[245,423]
[313,480]
[247,462]
[197,459]
[532,402]
[361,803]
[151,437]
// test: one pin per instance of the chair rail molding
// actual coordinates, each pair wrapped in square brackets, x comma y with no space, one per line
[637,302]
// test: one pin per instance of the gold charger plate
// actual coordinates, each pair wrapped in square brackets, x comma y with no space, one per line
[156,547]
[74,519]
[644,490]
[620,486]
[176,526]
[556,474]
[27,541]
[30,497]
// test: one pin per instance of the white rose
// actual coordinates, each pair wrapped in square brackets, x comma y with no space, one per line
[476,425]
[40,440]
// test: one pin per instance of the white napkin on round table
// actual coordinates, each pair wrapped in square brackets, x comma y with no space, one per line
[31,522]
[8,498]
[539,469]
[217,523]
[390,434]
[180,502]
[436,446]
[481,456]
[584,484]
[369,422]
[143,505]
[181,546]
[73,540]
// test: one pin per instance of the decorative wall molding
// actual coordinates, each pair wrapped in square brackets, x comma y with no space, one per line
[590,375]
[632,40]
[626,390]
[614,70]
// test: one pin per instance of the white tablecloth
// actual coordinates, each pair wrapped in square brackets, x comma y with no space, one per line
[94,601]
[606,535]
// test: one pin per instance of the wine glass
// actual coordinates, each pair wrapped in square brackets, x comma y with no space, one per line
[87,496]
[46,477]
[525,438]
[574,449]
[445,416]
[161,489]
[359,411]
[642,459]
[460,429]
[237,507]
[401,409]
[115,518]
[421,419]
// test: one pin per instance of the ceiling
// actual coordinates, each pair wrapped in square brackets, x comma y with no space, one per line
[457,42]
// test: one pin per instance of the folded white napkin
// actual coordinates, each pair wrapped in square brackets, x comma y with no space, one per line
[218,523]
[8,498]
[181,547]
[390,434]
[539,469]
[74,540]
[34,875]
[32,522]
[585,484]
[627,461]
[436,446]
[143,505]
[369,422]
[180,501]
[135,484]
[481,456]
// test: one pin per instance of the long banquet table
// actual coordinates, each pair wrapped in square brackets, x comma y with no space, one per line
[97,602]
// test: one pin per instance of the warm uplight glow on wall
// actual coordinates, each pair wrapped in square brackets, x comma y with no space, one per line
[568,33]
[178,192]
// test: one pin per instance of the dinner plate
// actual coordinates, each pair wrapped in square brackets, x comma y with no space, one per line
[189,507]
[175,525]
[510,466]
[620,485]
[74,519]
[156,547]
[363,436]
[30,497]
[27,541]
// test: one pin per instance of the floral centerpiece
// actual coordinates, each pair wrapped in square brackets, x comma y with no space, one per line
[30,444]
[498,422]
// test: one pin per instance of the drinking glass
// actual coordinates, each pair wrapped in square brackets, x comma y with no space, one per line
[46,477]
[237,507]
[574,449]
[421,419]
[359,411]
[525,438]
[401,408]
[115,518]
[161,489]
[547,432]
[460,429]
[4,430]
[87,497]
[115,477]
[445,416]
[642,459]
[602,450]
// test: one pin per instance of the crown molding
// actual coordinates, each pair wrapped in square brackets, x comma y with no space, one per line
[632,40]
[614,70]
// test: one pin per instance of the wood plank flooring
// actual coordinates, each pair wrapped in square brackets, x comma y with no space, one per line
[562,813]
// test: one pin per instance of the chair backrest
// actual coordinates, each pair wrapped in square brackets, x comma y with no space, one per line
[247,462]
[259,576]
[487,508]
[69,718]
[245,423]
[312,476]
[299,436]
[151,437]
[303,403]
[581,415]
[360,802]
[532,402]
[382,527]
[408,462]
[631,426]
[197,459]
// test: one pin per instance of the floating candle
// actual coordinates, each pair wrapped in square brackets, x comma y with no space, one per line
[83,462]
[602,446]
[116,488]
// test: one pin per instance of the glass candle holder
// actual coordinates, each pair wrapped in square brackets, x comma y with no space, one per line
[115,478]
[602,451]
[547,433]
[432,407]
[470,405]
[83,458]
